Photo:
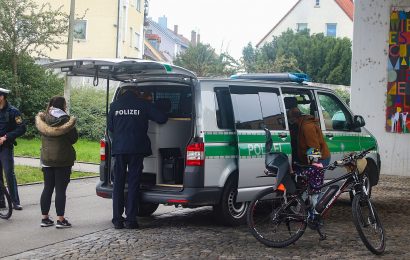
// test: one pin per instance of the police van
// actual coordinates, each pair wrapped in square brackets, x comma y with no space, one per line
[211,150]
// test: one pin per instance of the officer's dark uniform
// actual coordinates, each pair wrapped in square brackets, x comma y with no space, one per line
[11,126]
[128,126]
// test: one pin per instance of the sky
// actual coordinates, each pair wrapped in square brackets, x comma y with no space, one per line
[227,25]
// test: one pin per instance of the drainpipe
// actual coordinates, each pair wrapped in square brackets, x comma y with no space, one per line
[117,46]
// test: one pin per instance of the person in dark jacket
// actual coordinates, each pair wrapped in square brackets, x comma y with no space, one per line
[58,134]
[128,125]
[11,127]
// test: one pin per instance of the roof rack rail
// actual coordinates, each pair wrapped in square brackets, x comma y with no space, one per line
[281,77]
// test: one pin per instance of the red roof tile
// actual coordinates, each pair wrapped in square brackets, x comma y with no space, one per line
[347,6]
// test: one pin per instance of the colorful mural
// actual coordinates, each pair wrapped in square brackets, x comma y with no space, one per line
[398,85]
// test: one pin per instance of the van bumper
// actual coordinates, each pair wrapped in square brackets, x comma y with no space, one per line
[190,197]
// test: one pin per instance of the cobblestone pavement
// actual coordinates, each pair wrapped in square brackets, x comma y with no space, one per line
[193,233]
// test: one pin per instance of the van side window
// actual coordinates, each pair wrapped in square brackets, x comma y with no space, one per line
[272,110]
[335,114]
[302,98]
[255,108]
[224,112]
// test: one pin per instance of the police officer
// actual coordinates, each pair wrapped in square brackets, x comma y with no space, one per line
[11,127]
[128,126]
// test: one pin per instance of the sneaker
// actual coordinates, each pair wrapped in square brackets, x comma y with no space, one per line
[46,222]
[17,207]
[63,224]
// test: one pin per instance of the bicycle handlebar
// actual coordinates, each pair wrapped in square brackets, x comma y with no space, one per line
[348,159]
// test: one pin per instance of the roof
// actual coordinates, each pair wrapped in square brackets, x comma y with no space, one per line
[153,53]
[346,5]
[177,38]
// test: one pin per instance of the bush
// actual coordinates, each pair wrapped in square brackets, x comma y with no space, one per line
[88,105]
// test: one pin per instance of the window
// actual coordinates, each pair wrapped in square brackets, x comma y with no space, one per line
[331,29]
[137,40]
[224,112]
[335,114]
[272,111]
[317,3]
[303,98]
[256,108]
[301,27]
[131,36]
[80,29]
[138,4]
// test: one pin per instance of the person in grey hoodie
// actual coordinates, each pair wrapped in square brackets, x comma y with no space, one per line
[58,134]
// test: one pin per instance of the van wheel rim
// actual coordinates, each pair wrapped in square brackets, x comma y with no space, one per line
[236,209]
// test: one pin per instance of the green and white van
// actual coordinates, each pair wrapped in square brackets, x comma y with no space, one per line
[211,150]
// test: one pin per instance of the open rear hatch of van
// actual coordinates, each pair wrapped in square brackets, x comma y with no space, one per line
[171,89]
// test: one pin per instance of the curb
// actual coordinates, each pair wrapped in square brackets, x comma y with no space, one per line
[41,182]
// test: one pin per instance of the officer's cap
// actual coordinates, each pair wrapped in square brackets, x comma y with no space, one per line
[4,91]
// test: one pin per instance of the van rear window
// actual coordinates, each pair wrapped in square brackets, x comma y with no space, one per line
[175,101]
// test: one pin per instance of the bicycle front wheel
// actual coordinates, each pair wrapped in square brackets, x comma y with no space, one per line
[6,208]
[368,224]
[275,223]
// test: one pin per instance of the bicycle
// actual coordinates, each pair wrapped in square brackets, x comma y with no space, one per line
[7,210]
[278,216]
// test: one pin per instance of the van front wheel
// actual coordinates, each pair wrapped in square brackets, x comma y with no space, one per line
[230,212]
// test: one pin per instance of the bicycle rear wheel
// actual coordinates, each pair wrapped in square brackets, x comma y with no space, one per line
[6,208]
[368,224]
[275,223]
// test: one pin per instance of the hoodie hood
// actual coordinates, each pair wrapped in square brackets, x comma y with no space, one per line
[50,125]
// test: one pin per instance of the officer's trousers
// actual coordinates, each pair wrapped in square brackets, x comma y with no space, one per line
[135,166]
[7,165]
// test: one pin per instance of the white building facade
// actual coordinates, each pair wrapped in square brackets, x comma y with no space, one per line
[371,75]
[331,17]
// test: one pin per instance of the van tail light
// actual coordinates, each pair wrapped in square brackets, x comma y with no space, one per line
[102,149]
[195,154]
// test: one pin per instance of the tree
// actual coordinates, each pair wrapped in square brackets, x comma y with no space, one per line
[324,59]
[31,90]
[27,28]
[204,61]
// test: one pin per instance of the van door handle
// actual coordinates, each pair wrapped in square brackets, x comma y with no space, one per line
[329,135]
[283,135]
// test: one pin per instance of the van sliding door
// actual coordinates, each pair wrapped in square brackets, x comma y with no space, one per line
[254,109]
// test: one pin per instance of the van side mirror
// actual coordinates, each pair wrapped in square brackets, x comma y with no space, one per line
[358,121]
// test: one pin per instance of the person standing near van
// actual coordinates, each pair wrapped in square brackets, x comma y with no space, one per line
[58,134]
[11,127]
[306,134]
[128,125]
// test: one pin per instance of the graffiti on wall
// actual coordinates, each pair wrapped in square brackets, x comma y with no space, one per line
[398,86]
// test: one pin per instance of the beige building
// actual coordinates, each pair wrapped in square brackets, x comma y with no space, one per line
[103,28]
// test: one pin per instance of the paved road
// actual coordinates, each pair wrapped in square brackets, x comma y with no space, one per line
[87,212]
[194,233]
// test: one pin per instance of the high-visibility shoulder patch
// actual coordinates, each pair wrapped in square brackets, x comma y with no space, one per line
[19,120]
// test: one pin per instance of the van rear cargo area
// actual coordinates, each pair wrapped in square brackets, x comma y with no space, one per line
[168,142]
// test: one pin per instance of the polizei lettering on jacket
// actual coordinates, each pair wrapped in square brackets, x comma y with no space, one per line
[125,112]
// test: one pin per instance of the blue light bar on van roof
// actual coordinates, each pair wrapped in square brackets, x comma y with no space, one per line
[281,77]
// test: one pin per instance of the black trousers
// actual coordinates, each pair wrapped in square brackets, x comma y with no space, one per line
[134,163]
[58,178]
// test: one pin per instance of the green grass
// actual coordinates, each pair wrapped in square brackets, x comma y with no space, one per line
[87,151]
[26,174]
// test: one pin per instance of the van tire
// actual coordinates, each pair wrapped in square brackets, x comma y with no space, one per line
[227,211]
[146,209]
